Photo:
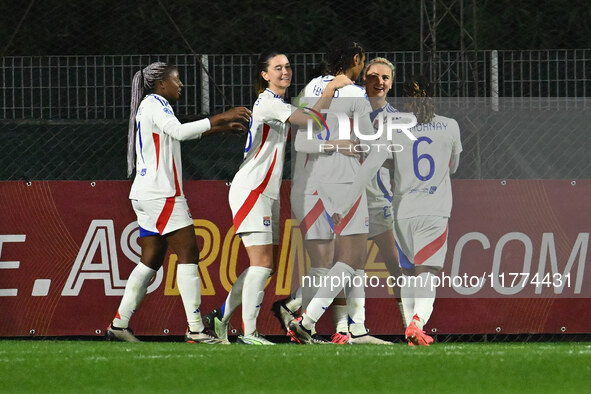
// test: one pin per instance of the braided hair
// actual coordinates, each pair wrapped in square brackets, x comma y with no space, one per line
[419,92]
[339,56]
[144,82]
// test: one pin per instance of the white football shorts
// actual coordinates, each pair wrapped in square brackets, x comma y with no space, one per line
[356,221]
[380,218]
[254,212]
[422,240]
[314,221]
[162,216]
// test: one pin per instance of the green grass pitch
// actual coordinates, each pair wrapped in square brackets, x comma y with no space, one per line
[176,367]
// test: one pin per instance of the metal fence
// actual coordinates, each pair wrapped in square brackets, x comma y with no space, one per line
[64,117]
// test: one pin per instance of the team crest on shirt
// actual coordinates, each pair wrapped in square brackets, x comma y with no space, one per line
[432,189]
[367,221]
[266,221]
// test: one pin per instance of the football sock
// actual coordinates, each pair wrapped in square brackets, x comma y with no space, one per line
[356,303]
[315,276]
[340,315]
[338,276]
[187,279]
[407,298]
[294,302]
[424,298]
[135,290]
[234,298]
[252,296]
[401,310]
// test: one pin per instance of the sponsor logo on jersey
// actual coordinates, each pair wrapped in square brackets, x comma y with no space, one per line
[168,111]
[266,221]
[426,190]
[387,211]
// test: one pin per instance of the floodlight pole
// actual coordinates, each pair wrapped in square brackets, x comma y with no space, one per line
[448,14]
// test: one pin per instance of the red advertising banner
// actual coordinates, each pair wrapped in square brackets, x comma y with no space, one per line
[516,260]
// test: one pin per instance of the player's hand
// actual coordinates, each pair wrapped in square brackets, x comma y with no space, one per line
[336,219]
[346,147]
[340,81]
[389,164]
[229,127]
[237,114]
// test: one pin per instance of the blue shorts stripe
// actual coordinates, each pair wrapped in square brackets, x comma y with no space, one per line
[146,233]
[404,261]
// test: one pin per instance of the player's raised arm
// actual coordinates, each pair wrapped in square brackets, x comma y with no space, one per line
[376,158]
[314,145]
[300,118]
[233,120]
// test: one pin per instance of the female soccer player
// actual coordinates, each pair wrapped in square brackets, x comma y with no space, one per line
[378,78]
[422,203]
[157,195]
[254,194]
[333,175]
[314,223]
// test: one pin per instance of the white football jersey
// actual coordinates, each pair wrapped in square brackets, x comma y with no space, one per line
[302,181]
[264,154]
[159,170]
[351,99]
[422,185]
[379,187]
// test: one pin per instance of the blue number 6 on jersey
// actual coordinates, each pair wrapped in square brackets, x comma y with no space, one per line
[416,159]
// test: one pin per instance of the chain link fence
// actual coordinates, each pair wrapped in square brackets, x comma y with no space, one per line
[66,68]
[64,117]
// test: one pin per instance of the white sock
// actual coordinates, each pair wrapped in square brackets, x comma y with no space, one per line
[407,298]
[337,278]
[252,296]
[234,298]
[315,276]
[340,315]
[401,310]
[295,300]
[356,303]
[135,290]
[424,298]
[187,278]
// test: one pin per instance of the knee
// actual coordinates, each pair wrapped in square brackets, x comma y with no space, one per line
[189,256]
[427,269]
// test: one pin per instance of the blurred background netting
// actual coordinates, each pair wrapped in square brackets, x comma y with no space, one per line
[66,68]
